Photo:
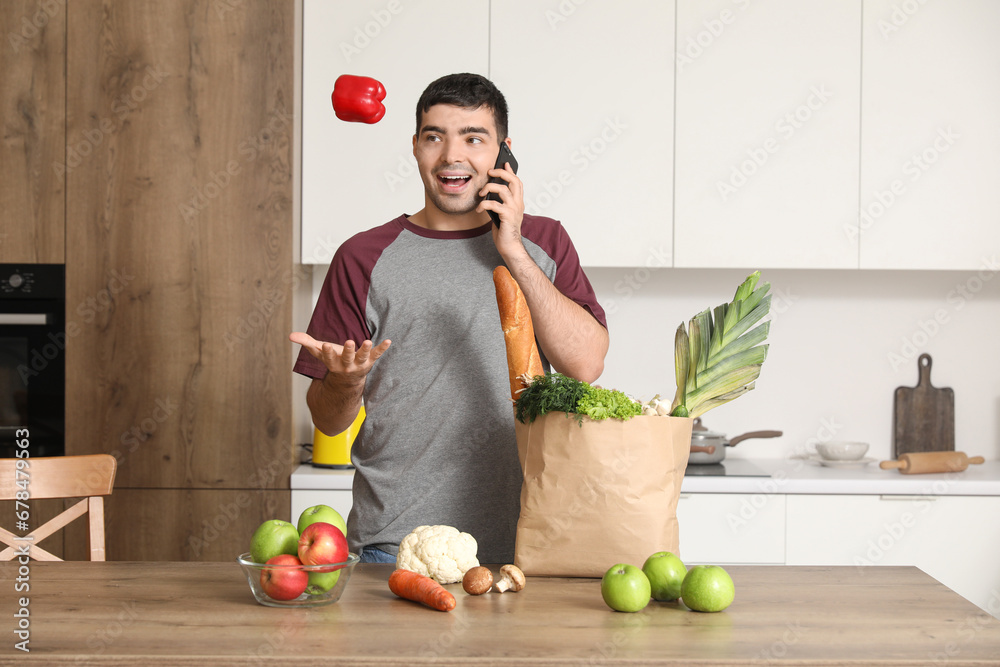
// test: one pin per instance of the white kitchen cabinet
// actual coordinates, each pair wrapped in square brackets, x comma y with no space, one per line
[732,528]
[354,175]
[767,100]
[590,90]
[930,136]
[955,539]
[339,499]
[777,146]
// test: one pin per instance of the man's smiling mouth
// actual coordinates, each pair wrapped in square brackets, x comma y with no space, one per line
[454,182]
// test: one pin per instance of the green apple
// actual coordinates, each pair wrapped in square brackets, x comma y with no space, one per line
[625,588]
[708,588]
[273,538]
[322,582]
[665,572]
[323,513]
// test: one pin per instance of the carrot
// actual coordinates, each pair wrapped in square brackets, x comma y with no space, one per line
[412,586]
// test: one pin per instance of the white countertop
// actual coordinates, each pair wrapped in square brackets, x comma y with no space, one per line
[802,476]
[792,476]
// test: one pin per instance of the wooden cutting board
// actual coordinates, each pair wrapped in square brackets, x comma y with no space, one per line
[923,416]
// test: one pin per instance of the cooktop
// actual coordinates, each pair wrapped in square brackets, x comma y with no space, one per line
[727,468]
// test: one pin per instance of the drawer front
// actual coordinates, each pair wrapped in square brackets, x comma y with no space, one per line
[732,528]
[876,530]
[954,539]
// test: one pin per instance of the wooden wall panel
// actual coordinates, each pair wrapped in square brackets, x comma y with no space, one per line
[179,253]
[32,153]
[164,524]
[187,525]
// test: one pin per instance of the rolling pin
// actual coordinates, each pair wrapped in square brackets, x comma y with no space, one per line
[919,462]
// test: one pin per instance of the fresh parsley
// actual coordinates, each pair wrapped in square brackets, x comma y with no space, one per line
[555,392]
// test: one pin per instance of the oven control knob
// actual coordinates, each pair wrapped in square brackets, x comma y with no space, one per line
[16,280]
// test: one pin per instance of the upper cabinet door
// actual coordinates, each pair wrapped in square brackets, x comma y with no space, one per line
[354,175]
[930,135]
[767,133]
[34,155]
[590,90]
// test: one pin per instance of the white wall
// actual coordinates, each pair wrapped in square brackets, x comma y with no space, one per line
[841,342]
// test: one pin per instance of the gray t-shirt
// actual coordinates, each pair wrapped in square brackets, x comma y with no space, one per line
[437,444]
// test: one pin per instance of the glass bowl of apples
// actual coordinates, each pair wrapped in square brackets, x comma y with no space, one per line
[284,581]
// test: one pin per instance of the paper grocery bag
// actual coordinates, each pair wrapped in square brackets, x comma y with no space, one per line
[599,493]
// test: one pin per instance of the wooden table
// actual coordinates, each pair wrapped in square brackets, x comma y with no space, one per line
[118,613]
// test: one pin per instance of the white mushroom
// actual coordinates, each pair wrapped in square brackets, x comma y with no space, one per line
[511,578]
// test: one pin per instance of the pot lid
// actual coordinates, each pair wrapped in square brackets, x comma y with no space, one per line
[707,435]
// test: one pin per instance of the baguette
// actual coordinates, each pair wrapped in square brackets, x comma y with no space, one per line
[523,359]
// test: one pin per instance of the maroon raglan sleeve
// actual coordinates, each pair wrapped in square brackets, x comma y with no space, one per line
[570,279]
[340,313]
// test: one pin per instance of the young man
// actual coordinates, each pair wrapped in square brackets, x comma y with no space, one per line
[437,444]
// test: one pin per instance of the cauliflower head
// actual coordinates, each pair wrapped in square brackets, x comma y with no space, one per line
[440,552]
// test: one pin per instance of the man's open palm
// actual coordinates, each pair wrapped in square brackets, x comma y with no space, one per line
[346,359]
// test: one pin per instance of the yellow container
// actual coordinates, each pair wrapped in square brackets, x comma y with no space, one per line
[334,451]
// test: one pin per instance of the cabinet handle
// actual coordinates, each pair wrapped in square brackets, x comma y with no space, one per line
[683,496]
[907,498]
[24,319]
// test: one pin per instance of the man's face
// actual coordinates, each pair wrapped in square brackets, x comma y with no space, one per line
[454,149]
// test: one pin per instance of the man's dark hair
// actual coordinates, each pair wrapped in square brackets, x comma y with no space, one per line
[469,91]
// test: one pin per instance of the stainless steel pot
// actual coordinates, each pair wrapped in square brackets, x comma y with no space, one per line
[710,447]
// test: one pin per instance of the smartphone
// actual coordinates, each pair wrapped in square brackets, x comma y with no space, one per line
[503,158]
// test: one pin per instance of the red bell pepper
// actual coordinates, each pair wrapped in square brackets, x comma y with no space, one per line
[358,99]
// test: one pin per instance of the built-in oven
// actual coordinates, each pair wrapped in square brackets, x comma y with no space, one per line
[33,358]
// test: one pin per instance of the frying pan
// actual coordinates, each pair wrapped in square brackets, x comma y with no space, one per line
[710,447]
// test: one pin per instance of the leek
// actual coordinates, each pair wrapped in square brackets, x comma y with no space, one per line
[719,356]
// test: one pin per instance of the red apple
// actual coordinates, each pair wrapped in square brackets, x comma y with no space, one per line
[284,583]
[321,543]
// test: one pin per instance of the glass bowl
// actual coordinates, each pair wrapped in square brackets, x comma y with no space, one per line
[325,585]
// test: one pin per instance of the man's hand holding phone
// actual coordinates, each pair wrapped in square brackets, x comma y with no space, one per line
[504,194]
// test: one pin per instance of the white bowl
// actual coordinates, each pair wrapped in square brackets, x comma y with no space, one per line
[840,450]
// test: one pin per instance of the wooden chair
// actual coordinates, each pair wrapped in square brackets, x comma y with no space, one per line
[87,477]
